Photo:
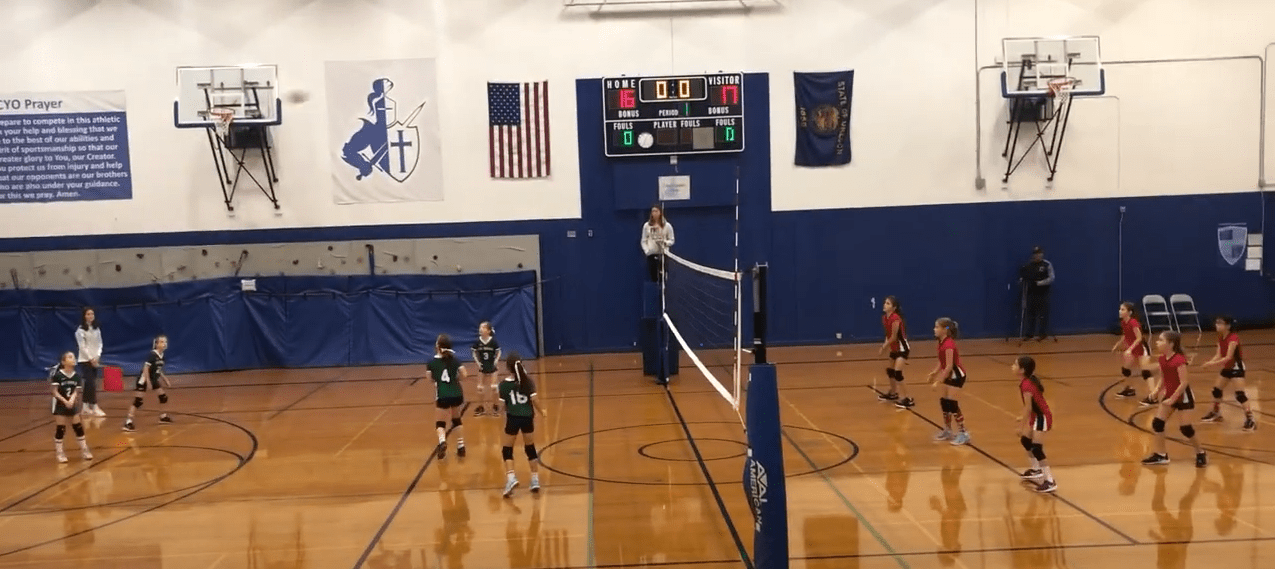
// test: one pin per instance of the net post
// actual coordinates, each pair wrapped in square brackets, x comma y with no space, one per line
[759,313]
[764,483]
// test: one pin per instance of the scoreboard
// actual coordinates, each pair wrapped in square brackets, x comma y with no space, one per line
[684,114]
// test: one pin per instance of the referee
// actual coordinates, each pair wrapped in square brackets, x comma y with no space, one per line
[1037,276]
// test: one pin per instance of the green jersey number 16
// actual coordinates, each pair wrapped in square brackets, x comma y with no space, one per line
[516,398]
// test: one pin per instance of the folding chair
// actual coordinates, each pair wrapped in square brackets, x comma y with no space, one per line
[1154,308]
[1184,312]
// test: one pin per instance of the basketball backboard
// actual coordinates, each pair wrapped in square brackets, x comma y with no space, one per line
[1028,64]
[251,91]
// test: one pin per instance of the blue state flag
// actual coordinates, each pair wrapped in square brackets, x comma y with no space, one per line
[823,117]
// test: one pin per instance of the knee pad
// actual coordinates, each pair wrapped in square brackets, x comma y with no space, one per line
[531,452]
[456,422]
[137,402]
[440,424]
[889,372]
[898,375]
[78,428]
[1146,374]
[955,405]
[163,398]
[1240,396]
[1126,372]
[1038,451]
[1027,443]
[1217,392]
[59,432]
[1157,425]
[507,453]
[1188,431]
[945,404]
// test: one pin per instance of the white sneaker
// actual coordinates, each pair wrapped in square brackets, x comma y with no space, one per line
[98,412]
[85,454]
[61,457]
[535,484]
[509,486]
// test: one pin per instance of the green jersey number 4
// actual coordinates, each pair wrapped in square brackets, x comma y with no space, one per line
[446,378]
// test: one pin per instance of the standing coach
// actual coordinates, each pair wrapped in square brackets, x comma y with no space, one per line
[1037,277]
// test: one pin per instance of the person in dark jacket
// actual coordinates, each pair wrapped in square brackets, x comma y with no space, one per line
[1037,277]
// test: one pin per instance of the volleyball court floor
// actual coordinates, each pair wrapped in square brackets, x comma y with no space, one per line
[332,468]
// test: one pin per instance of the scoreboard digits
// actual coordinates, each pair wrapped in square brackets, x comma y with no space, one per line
[688,114]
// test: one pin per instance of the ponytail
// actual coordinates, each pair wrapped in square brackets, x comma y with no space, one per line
[952,327]
[1175,339]
[444,347]
[521,377]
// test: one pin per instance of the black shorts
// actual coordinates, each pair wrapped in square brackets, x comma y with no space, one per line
[143,381]
[515,424]
[1236,371]
[900,354]
[1042,423]
[486,371]
[449,402]
[1186,402]
[957,379]
[63,411]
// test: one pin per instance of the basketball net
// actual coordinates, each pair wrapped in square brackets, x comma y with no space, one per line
[1060,90]
[221,119]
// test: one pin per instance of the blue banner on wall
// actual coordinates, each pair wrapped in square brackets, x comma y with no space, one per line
[64,147]
[823,117]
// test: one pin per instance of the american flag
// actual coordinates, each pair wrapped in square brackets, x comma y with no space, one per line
[519,129]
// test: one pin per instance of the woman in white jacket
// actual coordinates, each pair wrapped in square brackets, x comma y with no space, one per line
[657,237]
[89,338]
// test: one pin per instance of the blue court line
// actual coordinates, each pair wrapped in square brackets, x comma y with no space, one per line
[872,530]
[43,423]
[303,398]
[402,500]
[591,560]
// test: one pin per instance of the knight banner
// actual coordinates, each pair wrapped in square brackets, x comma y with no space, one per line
[823,117]
[383,131]
[1232,244]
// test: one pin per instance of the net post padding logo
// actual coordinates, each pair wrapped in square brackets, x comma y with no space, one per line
[1232,242]
[755,486]
[384,143]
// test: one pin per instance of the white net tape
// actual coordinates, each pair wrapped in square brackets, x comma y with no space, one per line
[702,309]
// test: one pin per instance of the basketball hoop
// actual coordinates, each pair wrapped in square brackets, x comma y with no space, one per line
[1060,90]
[221,119]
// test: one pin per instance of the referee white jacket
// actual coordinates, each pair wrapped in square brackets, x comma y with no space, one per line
[655,239]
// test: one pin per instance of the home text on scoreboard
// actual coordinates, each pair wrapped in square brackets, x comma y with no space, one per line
[684,114]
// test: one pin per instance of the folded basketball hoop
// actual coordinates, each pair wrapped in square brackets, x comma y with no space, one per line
[1060,89]
[221,119]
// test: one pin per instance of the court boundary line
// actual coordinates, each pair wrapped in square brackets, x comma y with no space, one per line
[1102,402]
[721,504]
[1013,470]
[60,481]
[252,437]
[407,493]
[591,554]
[871,528]
[306,396]
[43,423]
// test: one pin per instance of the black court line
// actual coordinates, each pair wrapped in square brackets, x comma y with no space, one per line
[304,397]
[1055,495]
[44,423]
[721,504]
[59,481]
[367,552]
[248,458]
[1102,402]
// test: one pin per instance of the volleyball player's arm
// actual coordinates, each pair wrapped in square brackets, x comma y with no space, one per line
[146,367]
[163,380]
[1024,417]
[58,396]
[894,334]
[461,371]
[1229,357]
[535,404]
[1137,340]
[1119,342]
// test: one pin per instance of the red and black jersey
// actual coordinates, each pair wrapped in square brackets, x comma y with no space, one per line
[899,344]
[1031,391]
[1224,346]
[950,344]
[1130,329]
[1169,371]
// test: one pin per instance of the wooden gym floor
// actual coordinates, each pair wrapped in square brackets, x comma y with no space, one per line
[331,468]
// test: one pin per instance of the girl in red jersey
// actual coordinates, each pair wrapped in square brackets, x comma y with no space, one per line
[1175,395]
[949,371]
[1231,357]
[1035,421]
[1136,353]
[896,340]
